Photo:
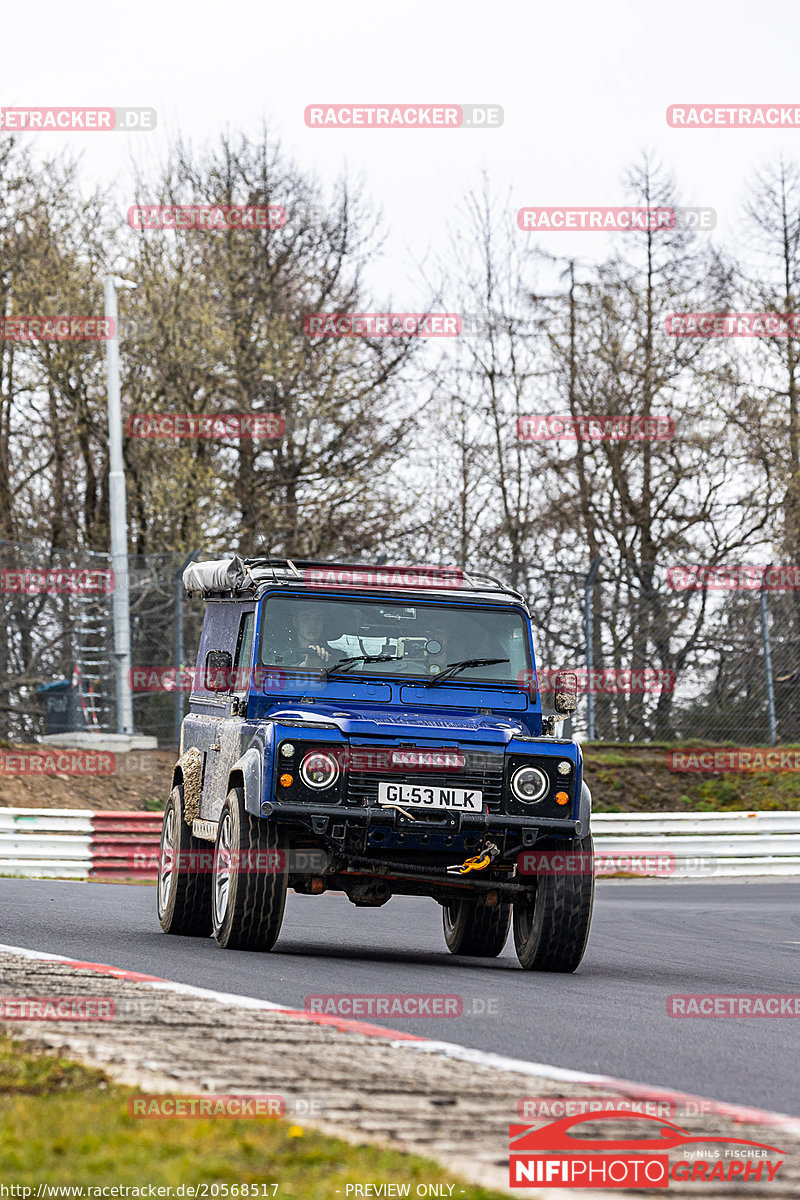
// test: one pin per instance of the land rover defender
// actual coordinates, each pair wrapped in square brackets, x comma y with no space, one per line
[377,731]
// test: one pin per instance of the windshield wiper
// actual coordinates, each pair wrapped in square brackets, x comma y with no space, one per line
[344,663]
[453,668]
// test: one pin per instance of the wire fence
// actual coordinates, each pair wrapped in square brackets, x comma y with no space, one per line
[674,653]
[658,658]
[57,663]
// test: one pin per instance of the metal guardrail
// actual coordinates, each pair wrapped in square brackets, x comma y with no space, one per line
[73,843]
[41,843]
[704,845]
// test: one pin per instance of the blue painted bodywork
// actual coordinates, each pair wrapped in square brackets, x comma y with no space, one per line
[498,726]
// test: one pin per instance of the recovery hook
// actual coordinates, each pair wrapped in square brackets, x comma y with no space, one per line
[479,863]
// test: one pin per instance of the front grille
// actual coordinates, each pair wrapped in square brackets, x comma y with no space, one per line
[481,770]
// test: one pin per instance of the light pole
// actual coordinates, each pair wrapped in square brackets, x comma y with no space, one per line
[117,514]
[588,584]
[773,723]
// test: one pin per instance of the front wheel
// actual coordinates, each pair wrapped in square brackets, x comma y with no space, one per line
[475,929]
[551,933]
[250,879]
[184,874]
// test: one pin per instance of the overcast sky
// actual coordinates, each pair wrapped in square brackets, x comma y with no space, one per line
[584,87]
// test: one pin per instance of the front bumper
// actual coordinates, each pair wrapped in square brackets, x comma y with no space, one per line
[373,830]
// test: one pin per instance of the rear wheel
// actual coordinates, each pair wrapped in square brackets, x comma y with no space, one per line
[475,929]
[184,874]
[249,881]
[550,934]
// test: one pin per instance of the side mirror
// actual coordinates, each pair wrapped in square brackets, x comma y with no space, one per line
[219,668]
[566,693]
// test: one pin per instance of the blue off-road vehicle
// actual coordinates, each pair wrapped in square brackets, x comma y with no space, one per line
[377,731]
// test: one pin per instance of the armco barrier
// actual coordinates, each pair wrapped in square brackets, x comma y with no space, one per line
[71,843]
[706,844]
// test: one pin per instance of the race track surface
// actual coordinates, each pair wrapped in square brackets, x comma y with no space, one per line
[648,941]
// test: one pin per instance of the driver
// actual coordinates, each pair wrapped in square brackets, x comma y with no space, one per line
[309,643]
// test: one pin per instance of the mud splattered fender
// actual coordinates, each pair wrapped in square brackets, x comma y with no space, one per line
[189,768]
[584,811]
[250,768]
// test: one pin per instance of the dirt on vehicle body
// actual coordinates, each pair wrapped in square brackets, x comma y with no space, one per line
[376,732]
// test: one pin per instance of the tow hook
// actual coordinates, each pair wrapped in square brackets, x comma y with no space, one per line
[479,863]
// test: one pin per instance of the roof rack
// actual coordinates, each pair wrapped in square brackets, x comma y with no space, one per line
[235,576]
[446,578]
[497,584]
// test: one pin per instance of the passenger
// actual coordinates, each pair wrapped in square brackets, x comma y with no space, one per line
[466,640]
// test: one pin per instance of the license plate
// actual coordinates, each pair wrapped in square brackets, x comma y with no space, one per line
[425,795]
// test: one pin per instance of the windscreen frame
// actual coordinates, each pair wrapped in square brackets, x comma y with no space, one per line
[516,676]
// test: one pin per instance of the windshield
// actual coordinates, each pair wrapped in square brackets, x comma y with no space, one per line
[421,640]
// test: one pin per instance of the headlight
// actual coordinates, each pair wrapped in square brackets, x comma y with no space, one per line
[529,784]
[564,767]
[319,770]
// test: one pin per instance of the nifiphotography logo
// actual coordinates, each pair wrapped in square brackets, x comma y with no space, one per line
[556,1155]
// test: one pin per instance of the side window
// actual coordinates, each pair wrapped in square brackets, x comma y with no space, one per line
[244,653]
[218,671]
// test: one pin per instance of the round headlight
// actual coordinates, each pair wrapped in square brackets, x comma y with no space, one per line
[564,767]
[319,770]
[287,749]
[529,784]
